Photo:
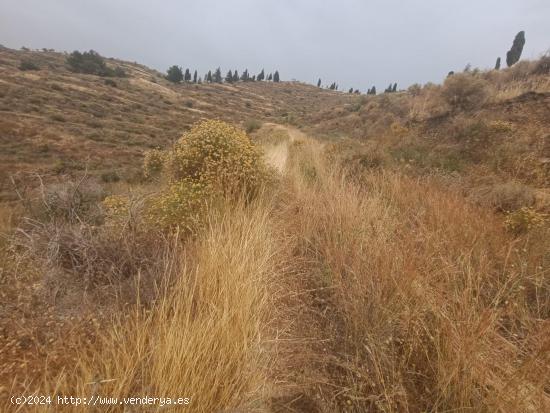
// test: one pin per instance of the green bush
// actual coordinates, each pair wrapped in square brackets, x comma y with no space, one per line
[26,65]
[93,64]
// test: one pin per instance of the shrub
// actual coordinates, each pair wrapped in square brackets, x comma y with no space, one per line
[509,196]
[26,65]
[217,155]
[92,63]
[182,205]
[110,176]
[464,91]
[88,62]
[110,82]
[213,160]
[523,220]
[542,67]
[153,162]
[252,125]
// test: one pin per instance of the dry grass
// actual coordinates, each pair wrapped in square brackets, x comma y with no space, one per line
[362,281]
[205,337]
[425,303]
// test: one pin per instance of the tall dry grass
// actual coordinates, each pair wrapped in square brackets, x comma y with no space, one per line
[205,337]
[425,303]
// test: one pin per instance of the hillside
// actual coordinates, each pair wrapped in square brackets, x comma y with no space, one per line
[56,121]
[344,254]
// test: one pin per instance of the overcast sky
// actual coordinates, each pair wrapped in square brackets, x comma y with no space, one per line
[353,42]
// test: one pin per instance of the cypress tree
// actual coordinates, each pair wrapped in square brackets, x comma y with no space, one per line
[236,76]
[394,89]
[276,76]
[187,76]
[261,76]
[374,90]
[319,83]
[229,77]
[244,76]
[514,54]
[217,76]
[195,77]
[497,64]
[209,77]
[253,78]
[350,90]
[270,77]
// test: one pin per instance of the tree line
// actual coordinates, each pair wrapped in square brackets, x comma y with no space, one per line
[175,74]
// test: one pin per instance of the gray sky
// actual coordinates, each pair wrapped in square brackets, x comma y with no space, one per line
[353,42]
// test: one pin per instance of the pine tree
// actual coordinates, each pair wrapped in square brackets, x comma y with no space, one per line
[261,76]
[195,77]
[174,74]
[244,76]
[199,81]
[319,83]
[217,77]
[187,76]
[350,90]
[497,64]
[209,77]
[236,76]
[514,54]
[276,77]
[229,77]
[270,77]
[373,90]
[253,78]
[394,89]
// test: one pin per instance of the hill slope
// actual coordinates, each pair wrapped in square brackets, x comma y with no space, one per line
[56,121]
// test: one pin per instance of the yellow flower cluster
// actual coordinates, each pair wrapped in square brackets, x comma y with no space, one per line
[117,209]
[213,159]
[398,129]
[523,220]
[218,156]
[181,205]
[501,126]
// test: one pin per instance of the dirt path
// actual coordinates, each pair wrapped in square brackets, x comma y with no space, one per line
[276,153]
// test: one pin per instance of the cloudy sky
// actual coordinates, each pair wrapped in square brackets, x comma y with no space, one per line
[353,42]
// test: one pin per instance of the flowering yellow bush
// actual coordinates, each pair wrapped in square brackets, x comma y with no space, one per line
[212,160]
[218,156]
[181,205]
[524,219]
